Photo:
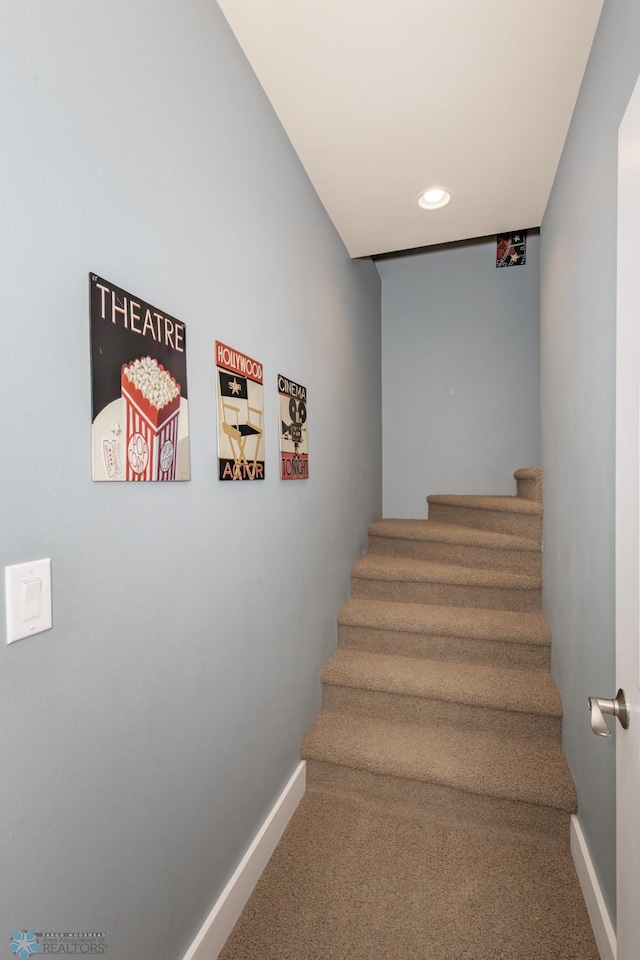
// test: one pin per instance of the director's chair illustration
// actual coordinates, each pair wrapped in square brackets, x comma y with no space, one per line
[239,433]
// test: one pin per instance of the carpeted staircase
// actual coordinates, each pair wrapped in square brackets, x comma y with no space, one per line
[435,825]
[440,687]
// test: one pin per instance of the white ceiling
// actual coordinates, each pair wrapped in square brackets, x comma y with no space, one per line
[384,98]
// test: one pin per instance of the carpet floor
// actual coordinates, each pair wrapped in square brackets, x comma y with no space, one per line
[356,880]
[436,820]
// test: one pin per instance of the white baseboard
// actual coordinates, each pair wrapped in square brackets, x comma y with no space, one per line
[225,912]
[596,907]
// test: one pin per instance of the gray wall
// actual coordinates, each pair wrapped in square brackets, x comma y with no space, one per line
[460,363]
[145,738]
[578,326]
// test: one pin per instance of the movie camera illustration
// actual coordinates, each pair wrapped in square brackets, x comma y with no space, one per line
[293,431]
[294,456]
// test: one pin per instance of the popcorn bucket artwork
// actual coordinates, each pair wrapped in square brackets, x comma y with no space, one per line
[294,450]
[152,407]
[139,385]
[240,390]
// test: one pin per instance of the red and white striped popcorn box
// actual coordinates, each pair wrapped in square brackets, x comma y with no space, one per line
[151,431]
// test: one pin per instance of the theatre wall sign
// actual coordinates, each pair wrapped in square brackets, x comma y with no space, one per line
[139,388]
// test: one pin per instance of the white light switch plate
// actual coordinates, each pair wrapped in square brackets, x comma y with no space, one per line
[28,596]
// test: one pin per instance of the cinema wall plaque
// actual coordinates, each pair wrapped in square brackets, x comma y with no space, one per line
[140,418]
[294,448]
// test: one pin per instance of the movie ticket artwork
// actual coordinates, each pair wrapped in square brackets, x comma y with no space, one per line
[140,419]
[511,249]
[294,450]
[240,392]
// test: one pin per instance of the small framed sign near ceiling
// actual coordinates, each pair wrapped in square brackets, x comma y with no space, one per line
[511,249]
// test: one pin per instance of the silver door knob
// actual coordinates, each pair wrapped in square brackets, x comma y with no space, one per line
[618,708]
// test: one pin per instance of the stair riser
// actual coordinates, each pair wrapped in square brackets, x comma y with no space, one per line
[518,524]
[530,488]
[401,643]
[517,561]
[408,709]
[546,824]
[458,595]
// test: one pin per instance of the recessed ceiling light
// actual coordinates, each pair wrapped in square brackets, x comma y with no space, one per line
[434,198]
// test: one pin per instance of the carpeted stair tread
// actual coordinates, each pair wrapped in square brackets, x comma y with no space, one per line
[449,533]
[500,504]
[500,688]
[529,483]
[528,473]
[390,568]
[482,763]
[449,621]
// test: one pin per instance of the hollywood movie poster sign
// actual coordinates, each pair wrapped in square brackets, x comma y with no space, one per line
[294,450]
[139,388]
[240,415]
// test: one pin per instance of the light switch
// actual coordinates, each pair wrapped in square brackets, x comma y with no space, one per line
[28,595]
[32,598]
